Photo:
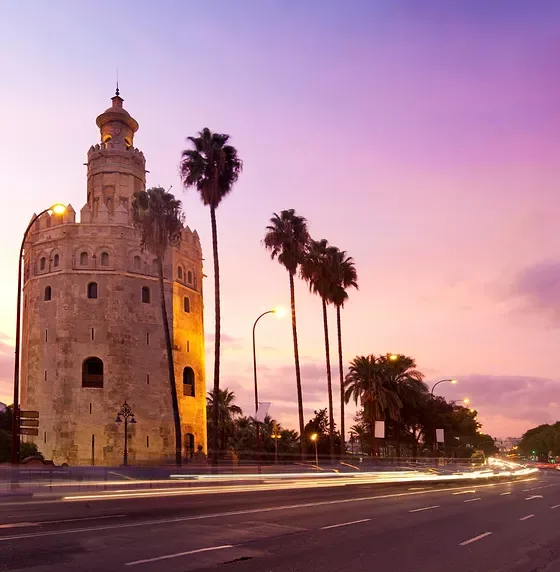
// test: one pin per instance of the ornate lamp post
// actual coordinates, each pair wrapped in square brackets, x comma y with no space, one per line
[126,413]
[57,209]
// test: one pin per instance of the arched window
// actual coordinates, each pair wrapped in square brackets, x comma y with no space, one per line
[83,259]
[189,277]
[48,294]
[92,373]
[186,305]
[145,295]
[180,273]
[104,259]
[56,260]
[188,382]
[42,263]
[92,290]
[137,263]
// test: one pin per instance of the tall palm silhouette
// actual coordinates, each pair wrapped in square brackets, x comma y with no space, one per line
[345,277]
[286,239]
[158,216]
[318,271]
[212,167]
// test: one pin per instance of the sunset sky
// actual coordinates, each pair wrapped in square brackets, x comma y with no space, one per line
[421,137]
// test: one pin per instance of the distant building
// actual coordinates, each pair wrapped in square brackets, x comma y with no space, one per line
[92,334]
[3,407]
[507,444]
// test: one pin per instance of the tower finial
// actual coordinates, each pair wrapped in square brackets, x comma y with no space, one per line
[117,90]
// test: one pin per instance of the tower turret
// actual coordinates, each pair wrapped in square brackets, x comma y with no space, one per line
[116,169]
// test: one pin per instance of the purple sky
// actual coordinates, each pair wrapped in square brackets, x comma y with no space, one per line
[421,137]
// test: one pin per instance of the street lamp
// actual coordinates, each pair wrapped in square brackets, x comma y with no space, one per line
[126,413]
[393,357]
[453,381]
[314,438]
[58,209]
[275,435]
[280,313]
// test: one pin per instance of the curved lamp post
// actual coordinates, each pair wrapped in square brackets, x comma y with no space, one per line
[126,413]
[453,381]
[59,209]
[280,313]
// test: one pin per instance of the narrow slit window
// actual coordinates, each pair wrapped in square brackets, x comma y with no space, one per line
[90,408]
[48,294]
[92,334]
[188,346]
[46,335]
[148,338]
[45,375]
[148,379]
[186,304]
[147,441]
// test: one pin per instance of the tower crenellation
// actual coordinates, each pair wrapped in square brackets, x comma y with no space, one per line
[92,335]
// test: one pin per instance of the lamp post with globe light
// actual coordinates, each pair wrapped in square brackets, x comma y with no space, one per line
[57,209]
[280,312]
[315,438]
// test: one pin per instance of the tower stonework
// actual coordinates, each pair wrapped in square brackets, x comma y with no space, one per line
[92,335]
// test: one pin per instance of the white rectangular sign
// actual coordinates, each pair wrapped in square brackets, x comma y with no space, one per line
[440,438]
[380,429]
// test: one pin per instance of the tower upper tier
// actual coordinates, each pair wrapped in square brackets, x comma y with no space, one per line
[116,169]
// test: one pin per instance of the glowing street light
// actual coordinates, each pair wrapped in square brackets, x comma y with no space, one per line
[393,357]
[279,312]
[58,209]
[453,381]
[315,438]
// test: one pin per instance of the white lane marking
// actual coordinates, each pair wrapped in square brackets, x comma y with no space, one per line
[178,554]
[231,513]
[527,517]
[472,500]
[503,494]
[425,508]
[345,524]
[464,492]
[19,524]
[475,539]
[534,497]
[81,519]
[555,506]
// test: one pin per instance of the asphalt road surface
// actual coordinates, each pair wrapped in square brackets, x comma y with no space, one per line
[508,526]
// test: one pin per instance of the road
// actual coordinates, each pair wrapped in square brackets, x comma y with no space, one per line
[506,527]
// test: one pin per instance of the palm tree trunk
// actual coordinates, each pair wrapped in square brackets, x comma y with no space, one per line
[298,373]
[215,404]
[329,379]
[170,366]
[341,371]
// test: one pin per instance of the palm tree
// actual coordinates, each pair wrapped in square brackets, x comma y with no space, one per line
[213,167]
[407,382]
[227,413]
[345,277]
[286,238]
[158,216]
[317,270]
[367,384]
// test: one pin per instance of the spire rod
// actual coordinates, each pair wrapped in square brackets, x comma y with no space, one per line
[117,90]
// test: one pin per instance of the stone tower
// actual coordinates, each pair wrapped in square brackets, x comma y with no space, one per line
[92,333]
